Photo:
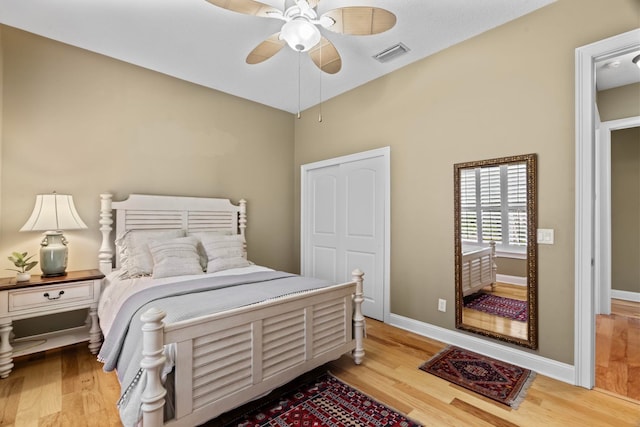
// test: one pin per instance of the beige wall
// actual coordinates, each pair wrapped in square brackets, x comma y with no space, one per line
[509,91]
[512,266]
[84,124]
[625,210]
[619,103]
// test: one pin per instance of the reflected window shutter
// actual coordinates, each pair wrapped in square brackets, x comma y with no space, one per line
[491,201]
[490,187]
[491,226]
[517,203]
[468,206]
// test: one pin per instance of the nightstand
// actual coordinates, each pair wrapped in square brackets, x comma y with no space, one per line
[43,296]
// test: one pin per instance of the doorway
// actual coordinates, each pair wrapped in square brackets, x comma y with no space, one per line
[603,232]
[618,310]
[345,223]
[585,260]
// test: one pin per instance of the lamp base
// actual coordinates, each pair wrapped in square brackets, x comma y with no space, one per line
[53,254]
[53,274]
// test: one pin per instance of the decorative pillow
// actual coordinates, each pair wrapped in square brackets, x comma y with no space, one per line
[175,257]
[224,252]
[220,264]
[133,249]
[204,235]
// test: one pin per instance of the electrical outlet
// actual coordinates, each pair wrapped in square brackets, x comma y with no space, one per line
[442,304]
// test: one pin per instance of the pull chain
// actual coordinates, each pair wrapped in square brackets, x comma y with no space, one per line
[320,105]
[299,54]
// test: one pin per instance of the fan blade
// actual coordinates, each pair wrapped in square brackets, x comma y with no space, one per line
[266,49]
[360,21]
[326,57]
[248,7]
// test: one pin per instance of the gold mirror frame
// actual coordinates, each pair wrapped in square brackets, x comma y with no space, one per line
[532,249]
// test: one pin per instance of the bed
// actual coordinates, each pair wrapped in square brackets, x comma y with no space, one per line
[478,268]
[188,346]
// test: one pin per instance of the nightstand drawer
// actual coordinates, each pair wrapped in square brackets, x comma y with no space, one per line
[50,296]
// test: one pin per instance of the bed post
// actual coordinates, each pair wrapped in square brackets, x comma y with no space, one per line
[151,364]
[358,318]
[105,256]
[494,266]
[242,223]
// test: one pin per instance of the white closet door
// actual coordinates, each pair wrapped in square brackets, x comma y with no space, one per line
[323,229]
[344,225]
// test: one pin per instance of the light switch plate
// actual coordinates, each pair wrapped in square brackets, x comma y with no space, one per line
[545,236]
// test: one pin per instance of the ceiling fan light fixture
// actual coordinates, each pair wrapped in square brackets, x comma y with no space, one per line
[326,21]
[300,34]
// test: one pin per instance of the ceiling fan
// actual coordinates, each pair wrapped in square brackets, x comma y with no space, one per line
[300,29]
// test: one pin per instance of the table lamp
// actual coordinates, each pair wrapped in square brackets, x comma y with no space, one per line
[53,213]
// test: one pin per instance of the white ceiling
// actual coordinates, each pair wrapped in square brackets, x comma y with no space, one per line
[617,71]
[196,41]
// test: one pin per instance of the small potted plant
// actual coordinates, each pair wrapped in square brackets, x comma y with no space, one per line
[21,261]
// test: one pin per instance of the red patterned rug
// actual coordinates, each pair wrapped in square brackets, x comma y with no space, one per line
[504,307]
[322,402]
[500,381]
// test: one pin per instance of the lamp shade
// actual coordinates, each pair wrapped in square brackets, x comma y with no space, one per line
[300,34]
[54,212]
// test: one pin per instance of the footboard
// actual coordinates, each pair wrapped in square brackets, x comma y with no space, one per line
[478,269]
[227,359]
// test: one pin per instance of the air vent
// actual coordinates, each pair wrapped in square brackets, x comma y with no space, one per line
[391,52]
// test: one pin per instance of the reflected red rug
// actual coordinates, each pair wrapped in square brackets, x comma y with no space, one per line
[500,306]
[500,381]
[323,402]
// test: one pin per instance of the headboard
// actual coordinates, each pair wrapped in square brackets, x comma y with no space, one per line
[148,212]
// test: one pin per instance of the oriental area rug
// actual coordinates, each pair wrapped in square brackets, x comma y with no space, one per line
[499,306]
[323,401]
[500,381]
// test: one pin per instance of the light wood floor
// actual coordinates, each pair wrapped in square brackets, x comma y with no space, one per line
[62,387]
[618,350]
[498,324]
[69,388]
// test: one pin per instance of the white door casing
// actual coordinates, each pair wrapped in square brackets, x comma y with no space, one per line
[345,223]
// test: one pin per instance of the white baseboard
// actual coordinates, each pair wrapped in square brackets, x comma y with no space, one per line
[548,367]
[625,295]
[512,280]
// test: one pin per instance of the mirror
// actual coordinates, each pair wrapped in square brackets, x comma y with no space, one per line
[496,248]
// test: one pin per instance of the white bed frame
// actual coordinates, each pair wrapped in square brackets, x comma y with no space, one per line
[226,359]
[478,269]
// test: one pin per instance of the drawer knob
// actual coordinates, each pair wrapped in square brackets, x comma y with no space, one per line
[50,298]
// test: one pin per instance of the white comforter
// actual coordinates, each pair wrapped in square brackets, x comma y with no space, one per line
[116,291]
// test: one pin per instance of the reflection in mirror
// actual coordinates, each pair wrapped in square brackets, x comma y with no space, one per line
[495,248]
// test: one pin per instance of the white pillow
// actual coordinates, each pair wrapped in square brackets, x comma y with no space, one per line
[135,258]
[224,252]
[175,257]
[203,235]
[220,264]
